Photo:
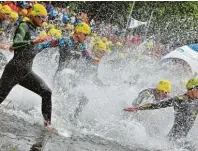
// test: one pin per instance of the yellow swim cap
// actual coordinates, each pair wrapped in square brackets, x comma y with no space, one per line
[83,28]
[38,9]
[14,16]
[6,9]
[192,83]
[164,85]
[118,44]
[55,32]
[100,45]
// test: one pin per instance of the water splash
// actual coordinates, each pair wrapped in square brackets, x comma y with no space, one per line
[106,90]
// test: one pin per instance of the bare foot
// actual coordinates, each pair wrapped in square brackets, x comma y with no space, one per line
[50,129]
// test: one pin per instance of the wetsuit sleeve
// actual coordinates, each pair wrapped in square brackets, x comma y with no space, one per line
[52,43]
[19,37]
[162,104]
[141,96]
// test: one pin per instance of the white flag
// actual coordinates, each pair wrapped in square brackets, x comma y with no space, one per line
[135,23]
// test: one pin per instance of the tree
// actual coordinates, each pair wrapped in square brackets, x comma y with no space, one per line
[172,21]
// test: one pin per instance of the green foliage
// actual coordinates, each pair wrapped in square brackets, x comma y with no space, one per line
[172,20]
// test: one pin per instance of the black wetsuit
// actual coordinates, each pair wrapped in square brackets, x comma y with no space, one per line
[186,110]
[19,69]
[70,51]
[147,94]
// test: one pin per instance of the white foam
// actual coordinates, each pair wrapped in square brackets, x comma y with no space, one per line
[103,115]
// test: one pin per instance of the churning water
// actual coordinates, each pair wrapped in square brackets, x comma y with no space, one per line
[88,100]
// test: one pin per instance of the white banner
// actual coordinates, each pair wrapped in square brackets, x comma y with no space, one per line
[185,53]
[135,23]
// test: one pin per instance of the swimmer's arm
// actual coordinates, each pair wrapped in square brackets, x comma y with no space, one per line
[141,96]
[159,105]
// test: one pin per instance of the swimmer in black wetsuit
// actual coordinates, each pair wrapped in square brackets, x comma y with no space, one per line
[19,69]
[185,108]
